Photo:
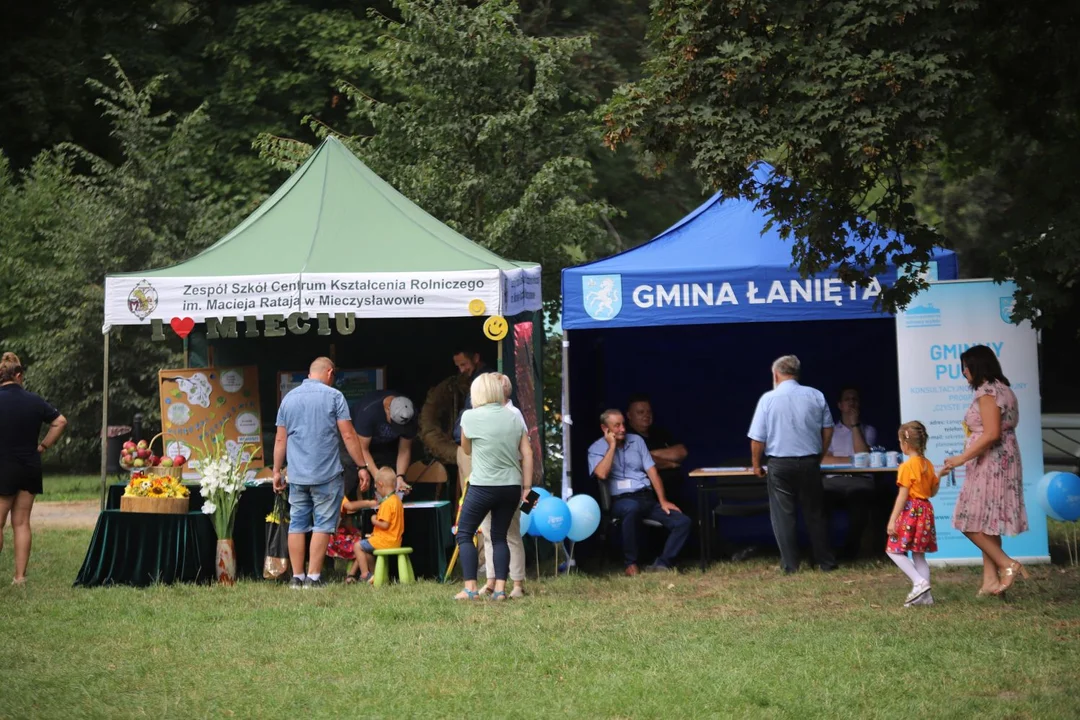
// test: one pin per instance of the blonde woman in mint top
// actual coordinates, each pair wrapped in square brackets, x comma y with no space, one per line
[493,436]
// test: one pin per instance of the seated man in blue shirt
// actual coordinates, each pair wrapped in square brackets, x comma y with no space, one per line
[623,461]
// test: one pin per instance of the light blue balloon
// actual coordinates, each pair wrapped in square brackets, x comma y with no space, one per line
[526,521]
[542,492]
[1041,495]
[550,519]
[584,517]
[1063,496]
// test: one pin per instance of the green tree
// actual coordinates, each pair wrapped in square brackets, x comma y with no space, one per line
[853,101]
[483,129]
[74,217]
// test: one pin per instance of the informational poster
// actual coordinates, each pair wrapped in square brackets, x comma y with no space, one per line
[353,384]
[197,404]
[939,325]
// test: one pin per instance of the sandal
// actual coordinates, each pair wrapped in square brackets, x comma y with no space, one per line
[1008,576]
[467,594]
[486,590]
[499,595]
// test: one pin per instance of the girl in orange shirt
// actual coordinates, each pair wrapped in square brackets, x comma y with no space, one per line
[911,525]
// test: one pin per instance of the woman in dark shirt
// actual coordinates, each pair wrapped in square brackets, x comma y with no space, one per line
[22,413]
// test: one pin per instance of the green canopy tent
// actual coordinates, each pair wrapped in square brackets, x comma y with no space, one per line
[332,260]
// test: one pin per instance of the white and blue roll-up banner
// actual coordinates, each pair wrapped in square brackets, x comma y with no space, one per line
[937,327]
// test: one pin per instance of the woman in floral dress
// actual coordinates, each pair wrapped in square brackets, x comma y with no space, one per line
[991,502]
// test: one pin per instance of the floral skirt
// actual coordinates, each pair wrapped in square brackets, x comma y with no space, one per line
[917,533]
[341,544]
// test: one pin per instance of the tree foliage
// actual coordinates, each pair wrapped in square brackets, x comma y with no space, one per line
[482,127]
[73,217]
[855,103]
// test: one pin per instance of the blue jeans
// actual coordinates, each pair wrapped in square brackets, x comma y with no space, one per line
[315,508]
[502,502]
[632,508]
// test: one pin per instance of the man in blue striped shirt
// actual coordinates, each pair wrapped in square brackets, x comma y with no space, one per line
[792,427]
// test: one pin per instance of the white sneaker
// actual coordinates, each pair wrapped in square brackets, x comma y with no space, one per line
[926,599]
[917,592]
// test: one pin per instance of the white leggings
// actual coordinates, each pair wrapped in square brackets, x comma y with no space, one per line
[915,567]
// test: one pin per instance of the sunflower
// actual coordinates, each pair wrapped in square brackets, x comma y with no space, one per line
[157,491]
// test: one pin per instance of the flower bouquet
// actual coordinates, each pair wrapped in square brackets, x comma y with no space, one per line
[155,494]
[223,469]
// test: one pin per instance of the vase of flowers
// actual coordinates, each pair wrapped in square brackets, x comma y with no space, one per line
[223,468]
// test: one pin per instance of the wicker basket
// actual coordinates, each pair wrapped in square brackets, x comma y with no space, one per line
[160,506]
[173,472]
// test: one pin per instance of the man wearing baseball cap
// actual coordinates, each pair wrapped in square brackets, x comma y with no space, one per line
[385,422]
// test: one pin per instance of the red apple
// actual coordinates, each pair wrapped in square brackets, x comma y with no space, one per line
[144,453]
[142,445]
[129,445]
[154,460]
[178,460]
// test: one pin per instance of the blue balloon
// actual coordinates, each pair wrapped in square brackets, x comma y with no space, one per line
[584,517]
[1040,495]
[526,521]
[542,492]
[550,519]
[1063,496]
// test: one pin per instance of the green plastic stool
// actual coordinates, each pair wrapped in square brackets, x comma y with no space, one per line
[404,566]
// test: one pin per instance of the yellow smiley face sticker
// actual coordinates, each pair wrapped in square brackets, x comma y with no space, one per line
[477,307]
[495,327]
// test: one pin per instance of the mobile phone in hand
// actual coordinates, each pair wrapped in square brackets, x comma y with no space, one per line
[530,501]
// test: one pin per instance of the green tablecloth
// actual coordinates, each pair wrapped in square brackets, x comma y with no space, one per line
[142,548]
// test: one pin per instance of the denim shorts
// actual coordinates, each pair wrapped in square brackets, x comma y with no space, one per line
[323,501]
[365,545]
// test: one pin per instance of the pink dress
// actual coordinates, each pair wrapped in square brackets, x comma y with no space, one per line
[992,498]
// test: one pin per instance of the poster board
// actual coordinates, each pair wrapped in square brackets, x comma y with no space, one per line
[936,328]
[353,384]
[198,403]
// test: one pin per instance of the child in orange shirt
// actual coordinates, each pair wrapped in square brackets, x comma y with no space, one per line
[389,524]
[911,526]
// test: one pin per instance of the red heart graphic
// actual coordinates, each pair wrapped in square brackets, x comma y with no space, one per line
[182,326]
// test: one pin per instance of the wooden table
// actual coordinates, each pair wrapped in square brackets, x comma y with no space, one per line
[713,479]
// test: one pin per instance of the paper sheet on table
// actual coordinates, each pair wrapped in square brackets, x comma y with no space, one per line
[426,504]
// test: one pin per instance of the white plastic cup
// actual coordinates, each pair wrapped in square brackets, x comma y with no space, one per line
[877,459]
[861,460]
[892,459]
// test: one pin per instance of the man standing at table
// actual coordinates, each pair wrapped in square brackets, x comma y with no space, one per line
[791,428]
[309,422]
[624,463]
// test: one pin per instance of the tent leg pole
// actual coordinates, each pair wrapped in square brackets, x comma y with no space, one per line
[500,359]
[566,419]
[104,421]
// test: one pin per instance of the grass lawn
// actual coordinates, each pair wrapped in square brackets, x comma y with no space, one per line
[67,488]
[740,641]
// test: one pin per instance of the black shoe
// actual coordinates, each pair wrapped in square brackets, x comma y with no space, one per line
[310,584]
[658,567]
[296,583]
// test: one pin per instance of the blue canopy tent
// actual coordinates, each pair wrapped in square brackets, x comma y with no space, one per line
[682,318]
